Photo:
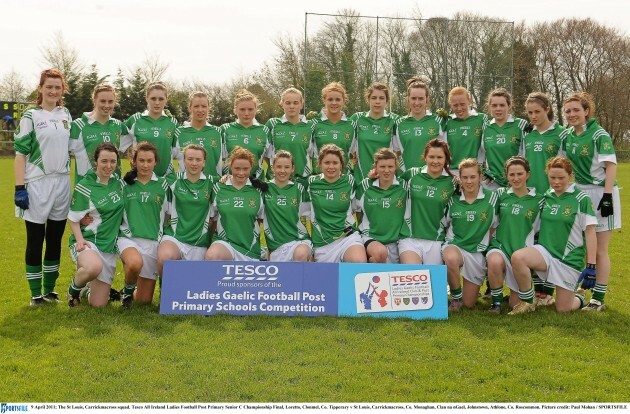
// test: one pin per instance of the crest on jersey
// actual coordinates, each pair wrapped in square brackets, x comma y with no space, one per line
[347,136]
[432,131]
[305,138]
[252,203]
[158,199]
[551,148]
[514,139]
[169,133]
[444,196]
[483,216]
[213,142]
[568,211]
[343,196]
[206,194]
[294,201]
[387,130]
[65,124]
[530,214]
[584,151]
[117,135]
[258,140]
[399,203]
[606,145]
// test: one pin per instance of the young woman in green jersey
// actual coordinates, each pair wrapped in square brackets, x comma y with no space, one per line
[383,203]
[42,183]
[96,127]
[567,236]
[471,215]
[430,189]
[154,126]
[197,130]
[418,127]
[246,132]
[545,141]
[464,128]
[286,236]
[331,193]
[145,197]
[332,126]
[292,133]
[518,212]
[501,138]
[591,152]
[187,235]
[375,129]
[236,208]
[93,247]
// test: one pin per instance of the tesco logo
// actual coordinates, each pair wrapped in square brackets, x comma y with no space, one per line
[410,278]
[251,270]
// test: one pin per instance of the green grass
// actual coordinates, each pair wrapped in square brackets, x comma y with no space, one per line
[60,354]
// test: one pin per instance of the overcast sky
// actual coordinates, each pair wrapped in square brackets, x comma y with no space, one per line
[216,41]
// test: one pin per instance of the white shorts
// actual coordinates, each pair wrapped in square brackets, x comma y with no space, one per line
[596,192]
[510,280]
[474,268]
[557,272]
[49,198]
[333,252]
[285,252]
[107,259]
[392,250]
[236,255]
[430,251]
[147,249]
[187,251]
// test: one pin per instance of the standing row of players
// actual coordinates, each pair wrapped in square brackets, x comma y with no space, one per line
[468,134]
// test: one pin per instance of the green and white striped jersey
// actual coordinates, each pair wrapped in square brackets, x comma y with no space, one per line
[86,134]
[464,137]
[146,206]
[469,224]
[325,132]
[104,203]
[499,143]
[254,138]
[589,152]
[383,211]
[293,138]
[237,213]
[412,136]
[283,209]
[372,135]
[190,210]
[210,138]
[518,220]
[540,147]
[43,138]
[562,223]
[160,132]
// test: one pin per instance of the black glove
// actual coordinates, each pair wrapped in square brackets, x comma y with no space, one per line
[21,197]
[605,206]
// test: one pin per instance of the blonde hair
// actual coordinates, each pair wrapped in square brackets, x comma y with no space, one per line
[240,153]
[291,90]
[331,149]
[243,95]
[156,86]
[469,163]
[197,94]
[335,87]
[195,147]
[103,87]
[376,86]
[283,154]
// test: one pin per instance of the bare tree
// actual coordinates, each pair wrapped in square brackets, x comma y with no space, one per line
[12,87]
[153,68]
[58,54]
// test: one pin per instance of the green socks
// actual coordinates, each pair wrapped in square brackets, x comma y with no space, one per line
[51,274]
[34,279]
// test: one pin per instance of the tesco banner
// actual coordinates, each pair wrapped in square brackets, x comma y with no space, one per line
[306,289]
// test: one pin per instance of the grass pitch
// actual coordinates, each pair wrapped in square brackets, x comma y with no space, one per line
[59,354]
